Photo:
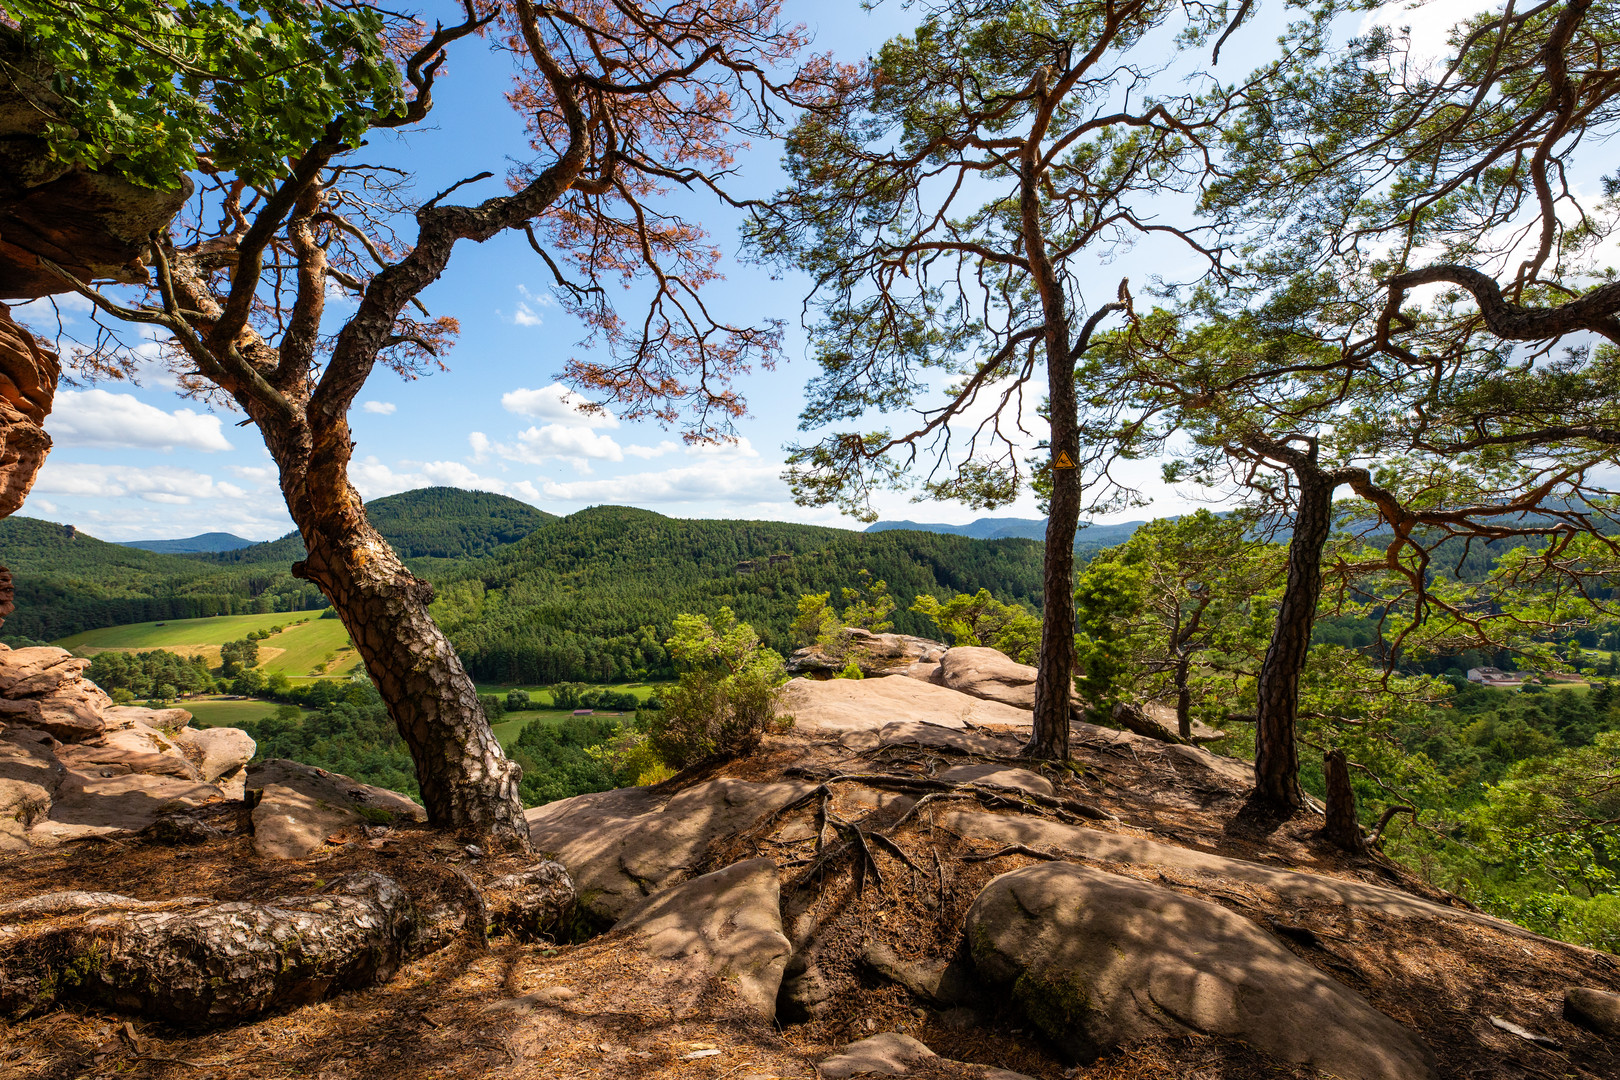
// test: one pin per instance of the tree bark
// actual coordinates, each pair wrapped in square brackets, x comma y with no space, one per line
[1183,696]
[1276,755]
[1342,830]
[467,783]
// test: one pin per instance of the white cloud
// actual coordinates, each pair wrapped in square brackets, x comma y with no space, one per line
[374,479]
[717,480]
[259,474]
[161,484]
[479,443]
[556,403]
[537,445]
[380,408]
[121,421]
[648,452]
[525,313]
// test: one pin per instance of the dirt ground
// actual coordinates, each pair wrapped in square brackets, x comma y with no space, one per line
[600,1009]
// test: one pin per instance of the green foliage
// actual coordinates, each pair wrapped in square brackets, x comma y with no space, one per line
[852,670]
[725,702]
[981,619]
[144,85]
[1107,599]
[350,733]
[816,623]
[140,674]
[517,701]
[868,605]
[494,708]
[557,760]
[237,656]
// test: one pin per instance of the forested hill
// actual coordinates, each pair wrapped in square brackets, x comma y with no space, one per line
[592,595]
[1089,538]
[68,581]
[192,545]
[427,523]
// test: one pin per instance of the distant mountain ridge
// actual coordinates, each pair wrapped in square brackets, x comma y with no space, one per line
[989,528]
[202,543]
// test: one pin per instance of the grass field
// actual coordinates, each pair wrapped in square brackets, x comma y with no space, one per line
[293,652]
[208,712]
[642,690]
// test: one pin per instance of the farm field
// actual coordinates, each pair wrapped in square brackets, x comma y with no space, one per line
[213,712]
[293,652]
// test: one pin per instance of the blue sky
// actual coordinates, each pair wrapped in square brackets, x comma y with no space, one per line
[137,461]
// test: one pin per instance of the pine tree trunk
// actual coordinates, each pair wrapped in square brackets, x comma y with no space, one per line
[1184,696]
[1054,674]
[1342,830]
[467,783]
[1276,754]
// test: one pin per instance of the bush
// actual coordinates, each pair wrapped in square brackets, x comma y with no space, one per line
[493,708]
[725,702]
[329,613]
[516,701]
[852,670]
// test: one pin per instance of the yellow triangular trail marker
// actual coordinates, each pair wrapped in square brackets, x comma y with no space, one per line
[1063,461]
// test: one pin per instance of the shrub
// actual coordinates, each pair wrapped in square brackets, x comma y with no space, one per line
[852,670]
[493,708]
[516,701]
[725,702]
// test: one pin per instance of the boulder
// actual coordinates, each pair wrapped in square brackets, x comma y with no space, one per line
[887,1054]
[37,670]
[28,377]
[836,706]
[1098,961]
[217,751]
[1594,1010]
[288,824]
[727,924]
[333,789]
[110,799]
[992,775]
[134,748]
[167,720]
[920,734]
[989,674]
[73,712]
[1107,847]
[623,846]
[874,654]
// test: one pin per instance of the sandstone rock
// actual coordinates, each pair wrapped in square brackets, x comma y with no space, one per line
[998,776]
[37,669]
[288,824]
[842,705]
[1594,1010]
[217,751]
[28,377]
[73,712]
[989,674]
[88,803]
[1100,961]
[947,984]
[1109,847]
[165,720]
[93,758]
[887,1054]
[805,992]
[727,924]
[332,788]
[623,846]
[919,733]
[874,654]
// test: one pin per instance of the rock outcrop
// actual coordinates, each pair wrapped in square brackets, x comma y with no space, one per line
[1100,961]
[836,706]
[874,654]
[73,764]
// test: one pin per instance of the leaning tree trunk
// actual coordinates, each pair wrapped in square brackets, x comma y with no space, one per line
[467,783]
[1184,695]
[1276,754]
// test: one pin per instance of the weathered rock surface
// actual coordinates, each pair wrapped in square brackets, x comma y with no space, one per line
[989,674]
[1100,961]
[887,1054]
[28,377]
[837,706]
[1594,1010]
[1108,847]
[217,752]
[90,803]
[288,824]
[921,733]
[727,924]
[998,776]
[332,788]
[621,847]
[874,654]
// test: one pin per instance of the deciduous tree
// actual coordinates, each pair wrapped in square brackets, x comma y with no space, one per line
[622,100]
